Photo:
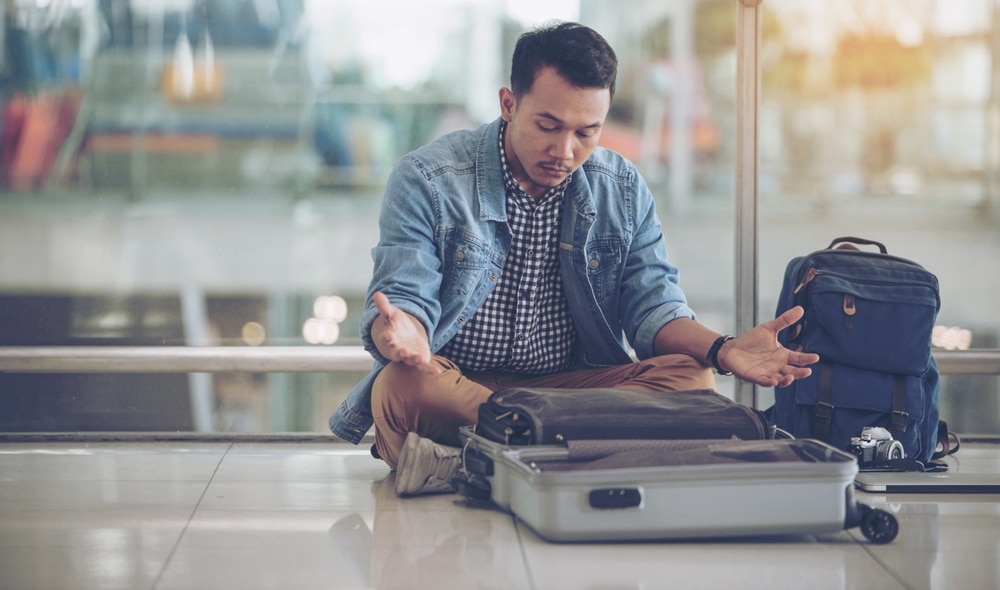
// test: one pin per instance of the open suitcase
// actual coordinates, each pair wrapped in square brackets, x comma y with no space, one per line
[621,489]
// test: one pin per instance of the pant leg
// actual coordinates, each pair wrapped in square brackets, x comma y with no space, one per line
[434,406]
[671,372]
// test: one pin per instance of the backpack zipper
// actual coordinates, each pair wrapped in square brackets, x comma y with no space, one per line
[813,272]
[849,310]
[810,275]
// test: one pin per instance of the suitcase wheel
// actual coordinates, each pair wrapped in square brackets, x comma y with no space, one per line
[879,527]
[474,488]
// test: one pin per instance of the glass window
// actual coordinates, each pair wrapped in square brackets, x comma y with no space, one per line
[876,121]
[209,172]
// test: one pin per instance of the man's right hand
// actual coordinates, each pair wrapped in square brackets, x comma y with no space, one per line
[400,337]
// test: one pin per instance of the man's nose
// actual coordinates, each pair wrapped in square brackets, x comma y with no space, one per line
[564,146]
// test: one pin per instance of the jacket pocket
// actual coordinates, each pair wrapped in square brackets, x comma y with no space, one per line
[466,257]
[604,259]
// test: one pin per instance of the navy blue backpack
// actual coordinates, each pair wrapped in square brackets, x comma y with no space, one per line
[869,316]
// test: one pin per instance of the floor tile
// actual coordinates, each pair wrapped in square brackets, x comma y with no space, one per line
[425,542]
[109,461]
[99,495]
[83,549]
[333,495]
[793,562]
[261,462]
[264,549]
[442,541]
[948,543]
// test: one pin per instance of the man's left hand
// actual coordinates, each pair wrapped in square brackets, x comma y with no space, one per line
[758,357]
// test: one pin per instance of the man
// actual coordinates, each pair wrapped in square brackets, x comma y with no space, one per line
[522,254]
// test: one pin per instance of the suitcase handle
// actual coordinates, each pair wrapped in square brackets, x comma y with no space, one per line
[848,240]
[615,498]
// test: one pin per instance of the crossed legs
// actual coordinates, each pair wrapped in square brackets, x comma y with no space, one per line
[406,400]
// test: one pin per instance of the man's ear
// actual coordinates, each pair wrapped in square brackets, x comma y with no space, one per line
[508,102]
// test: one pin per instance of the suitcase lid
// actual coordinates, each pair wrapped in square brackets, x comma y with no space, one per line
[730,461]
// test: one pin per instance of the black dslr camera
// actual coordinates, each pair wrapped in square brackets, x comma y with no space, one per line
[876,447]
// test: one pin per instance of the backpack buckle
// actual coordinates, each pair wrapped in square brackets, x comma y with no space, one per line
[824,412]
[899,420]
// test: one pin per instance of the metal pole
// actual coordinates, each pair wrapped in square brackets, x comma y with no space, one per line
[195,318]
[681,149]
[280,385]
[747,159]
[991,177]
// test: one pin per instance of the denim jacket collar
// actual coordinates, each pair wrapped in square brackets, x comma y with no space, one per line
[489,176]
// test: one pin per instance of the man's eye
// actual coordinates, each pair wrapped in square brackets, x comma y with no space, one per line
[547,129]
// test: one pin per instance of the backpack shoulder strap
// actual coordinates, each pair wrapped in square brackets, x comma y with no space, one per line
[823,412]
[945,440]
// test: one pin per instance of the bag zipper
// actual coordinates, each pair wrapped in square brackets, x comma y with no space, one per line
[814,272]
[810,275]
[849,310]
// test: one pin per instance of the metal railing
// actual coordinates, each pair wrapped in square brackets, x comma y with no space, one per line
[289,359]
[183,359]
[198,362]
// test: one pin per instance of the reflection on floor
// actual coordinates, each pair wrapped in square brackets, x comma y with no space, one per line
[323,515]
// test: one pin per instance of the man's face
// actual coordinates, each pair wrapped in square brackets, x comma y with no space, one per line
[552,129]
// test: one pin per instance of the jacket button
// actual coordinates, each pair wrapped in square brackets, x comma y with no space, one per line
[594,263]
[460,256]
[461,319]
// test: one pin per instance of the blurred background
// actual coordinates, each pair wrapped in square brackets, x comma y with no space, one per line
[209,172]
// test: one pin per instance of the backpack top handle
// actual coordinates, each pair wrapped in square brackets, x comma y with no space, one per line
[847,241]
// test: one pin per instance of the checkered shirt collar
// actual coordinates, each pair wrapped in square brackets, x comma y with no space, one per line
[513,188]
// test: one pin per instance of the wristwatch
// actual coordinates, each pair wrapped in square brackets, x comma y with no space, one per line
[713,354]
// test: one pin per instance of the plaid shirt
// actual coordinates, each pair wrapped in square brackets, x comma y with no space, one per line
[525,324]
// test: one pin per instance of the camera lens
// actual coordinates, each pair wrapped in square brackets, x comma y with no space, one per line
[890,450]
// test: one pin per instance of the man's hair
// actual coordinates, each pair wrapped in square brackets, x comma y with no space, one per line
[578,53]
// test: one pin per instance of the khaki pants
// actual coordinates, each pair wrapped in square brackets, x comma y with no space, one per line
[405,400]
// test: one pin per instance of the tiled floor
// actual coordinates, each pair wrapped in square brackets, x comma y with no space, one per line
[245,515]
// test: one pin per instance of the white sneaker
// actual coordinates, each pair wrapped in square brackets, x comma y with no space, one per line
[425,467]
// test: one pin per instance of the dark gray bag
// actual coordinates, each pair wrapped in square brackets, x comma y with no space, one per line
[523,416]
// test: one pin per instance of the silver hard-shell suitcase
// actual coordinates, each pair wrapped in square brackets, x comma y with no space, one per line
[672,489]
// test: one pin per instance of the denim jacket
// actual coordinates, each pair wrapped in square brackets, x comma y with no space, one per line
[444,238]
